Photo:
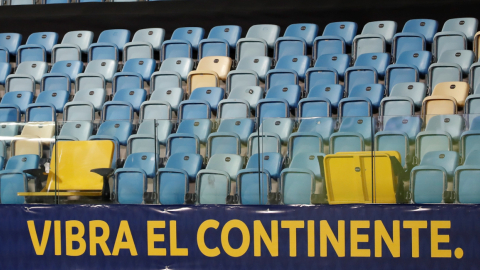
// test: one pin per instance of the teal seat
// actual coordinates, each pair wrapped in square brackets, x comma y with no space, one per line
[259,64]
[463,58]
[313,161]
[106,68]
[144,43]
[414,90]
[443,72]
[296,186]
[223,143]
[448,40]
[158,128]
[368,43]
[179,65]
[320,76]
[324,126]
[164,79]
[333,92]
[281,126]
[14,180]
[75,131]
[140,143]
[155,110]
[253,186]
[302,142]
[242,127]
[474,78]
[251,94]
[469,142]
[201,128]
[467,176]
[79,111]
[74,43]
[353,135]
[359,75]
[429,141]
[263,143]
[233,108]
[171,95]
[399,73]
[241,79]
[182,143]
[31,69]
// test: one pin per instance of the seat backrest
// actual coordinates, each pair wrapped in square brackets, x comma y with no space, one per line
[46,39]
[71,68]
[291,93]
[11,41]
[228,163]
[312,161]
[22,162]
[346,30]
[180,65]
[385,28]
[267,32]
[411,125]
[230,33]
[242,127]
[119,37]
[142,66]
[447,159]
[190,34]
[199,127]
[271,161]
[452,124]
[82,39]
[420,59]
[154,36]
[299,63]
[213,95]
[468,26]
[463,58]
[80,130]
[323,126]
[36,69]
[144,161]
[426,27]
[259,64]
[191,163]
[340,62]
[307,31]
[473,158]
[281,126]
[362,125]
[379,61]
[118,129]
[104,67]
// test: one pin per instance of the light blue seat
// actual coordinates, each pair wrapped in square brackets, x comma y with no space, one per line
[9,43]
[289,46]
[428,28]
[78,111]
[134,72]
[198,127]
[223,143]
[22,2]
[429,180]
[251,94]
[387,29]
[353,135]
[291,93]
[466,183]
[332,92]
[220,41]
[339,62]
[396,106]
[150,110]
[320,76]
[172,182]
[312,161]
[74,44]
[121,130]
[407,41]
[474,78]
[413,90]
[334,39]
[264,142]
[354,106]
[172,95]
[26,72]
[270,162]
[282,127]
[373,92]
[259,38]
[463,58]
[398,73]
[132,96]
[87,81]
[272,108]
[57,98]
[467,26]
[242,127]
[288,70]
[323,126]
[472,105]
[368,43]
[177,65]
[70,68]
[109,44]
[379,61]
[117,111]
[233,108]
[194,109]
[37,47]
[443,72]
[435,138]
[140,143]
[243,75]
[296,186]
[95,97]
[106,68]
[303,142]
[182,42]
[144,43]
[212,95]
[213,183]
[182,143]
[40,112]
[130,182]
[14,180]
[346,30]
[469,141]
[18,101]
[448,40]
[358,75]
[160,129]
[314,107]
[75,131]
[420,59]
[306,31]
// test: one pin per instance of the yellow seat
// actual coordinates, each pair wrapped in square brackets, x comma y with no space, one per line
[70,169]
[26,145]
[198,79]
[457,90]
[476,47]
[350,176]
[438,105]
[219,64]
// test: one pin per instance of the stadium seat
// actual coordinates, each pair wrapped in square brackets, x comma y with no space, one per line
[320,76]
[13,179]
[420,59]
[263,142]
[201,128]
[466,179]
[119,110]
[234,108]
[289,70]
[150,110]
[57,98]
[223,143]
[9,43]
[134,72]
[172,182]
[40,112]
[373,92]
[37,47]
[194,109]
[243,75]
[251,94]
[396,106]
[272,108]
[172,95]
[144,43]
[444,41]
[314,107]
[134,96]
[374,37]
[212,95]
[296,186]
[220,41]
[304,142]
[463,58]
[75,131]
[182,42]
[339,62]
[333,92]
[474,78]
[295,41]
[414,90]
[281,126]
[210,71]
[438,105]
[89,81]
[379,61]
[353,106]
[242,127]
[457,90]
[16,103]
[353,135]
[429,180]
[398,73]
[259,38]
[182,143]
[426,27]
[109,44]
[160,129]
[407,41]
[106,68]
[469,142]
[358,75]
[94,97]
[467,26]
[443,72]
[179,66]
[59,69]
[346,30]
[74,44]
[140,143]
[27,75]
[79,111]
[323,126]
[120,130]
[291,93]
[130,182]
[336,36]
[472,105]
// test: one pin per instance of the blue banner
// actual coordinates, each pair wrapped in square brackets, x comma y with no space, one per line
[239,237]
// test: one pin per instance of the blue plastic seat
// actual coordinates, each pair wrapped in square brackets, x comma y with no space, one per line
[150,110]
[426,27]
[109,44]
[371,41]
[172,95]
[37,47]
[448,40]
[242,127]
[70,68]
[94,97]
[358,75]
[306,31]
[396,106]
[398,73]
[87,81]
[130,182]
[373,92]
[119,129]
[320,76]
[289,46]
[313,162]
[233,108]
[14,180]
[144,43]
[346,30]
[472,105]
[272,108]
[339,62]
[259,38]
[304,142]
[75,131]
[78,111]
[387,29]
[223,143]
[40,112]
[171,68]
[429,180]
[407,41]
[27,72]
[332,92]
[443,72]
[201,128]
[379,61]
[160,129]
[135,97]
[467,26]
[353,135]
[469,142]
[243,75]
[194,109]
[5,70]
[182,143]
[291,93]
[463,58]
[288,70]
[466,179]
[57,98]
[323,126]
[314,107]
[182,42]
[18,101]
[134,72]
[420,59]
[353,106]
[118,110]
[140,143]
[282,127]
[9,43]
[251,94]
[212,95]
[220,41]
[172,182]
[105,68]
[334,39]
[474,78]
[74,44]
[264,142]
[416,91]
[296,186]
